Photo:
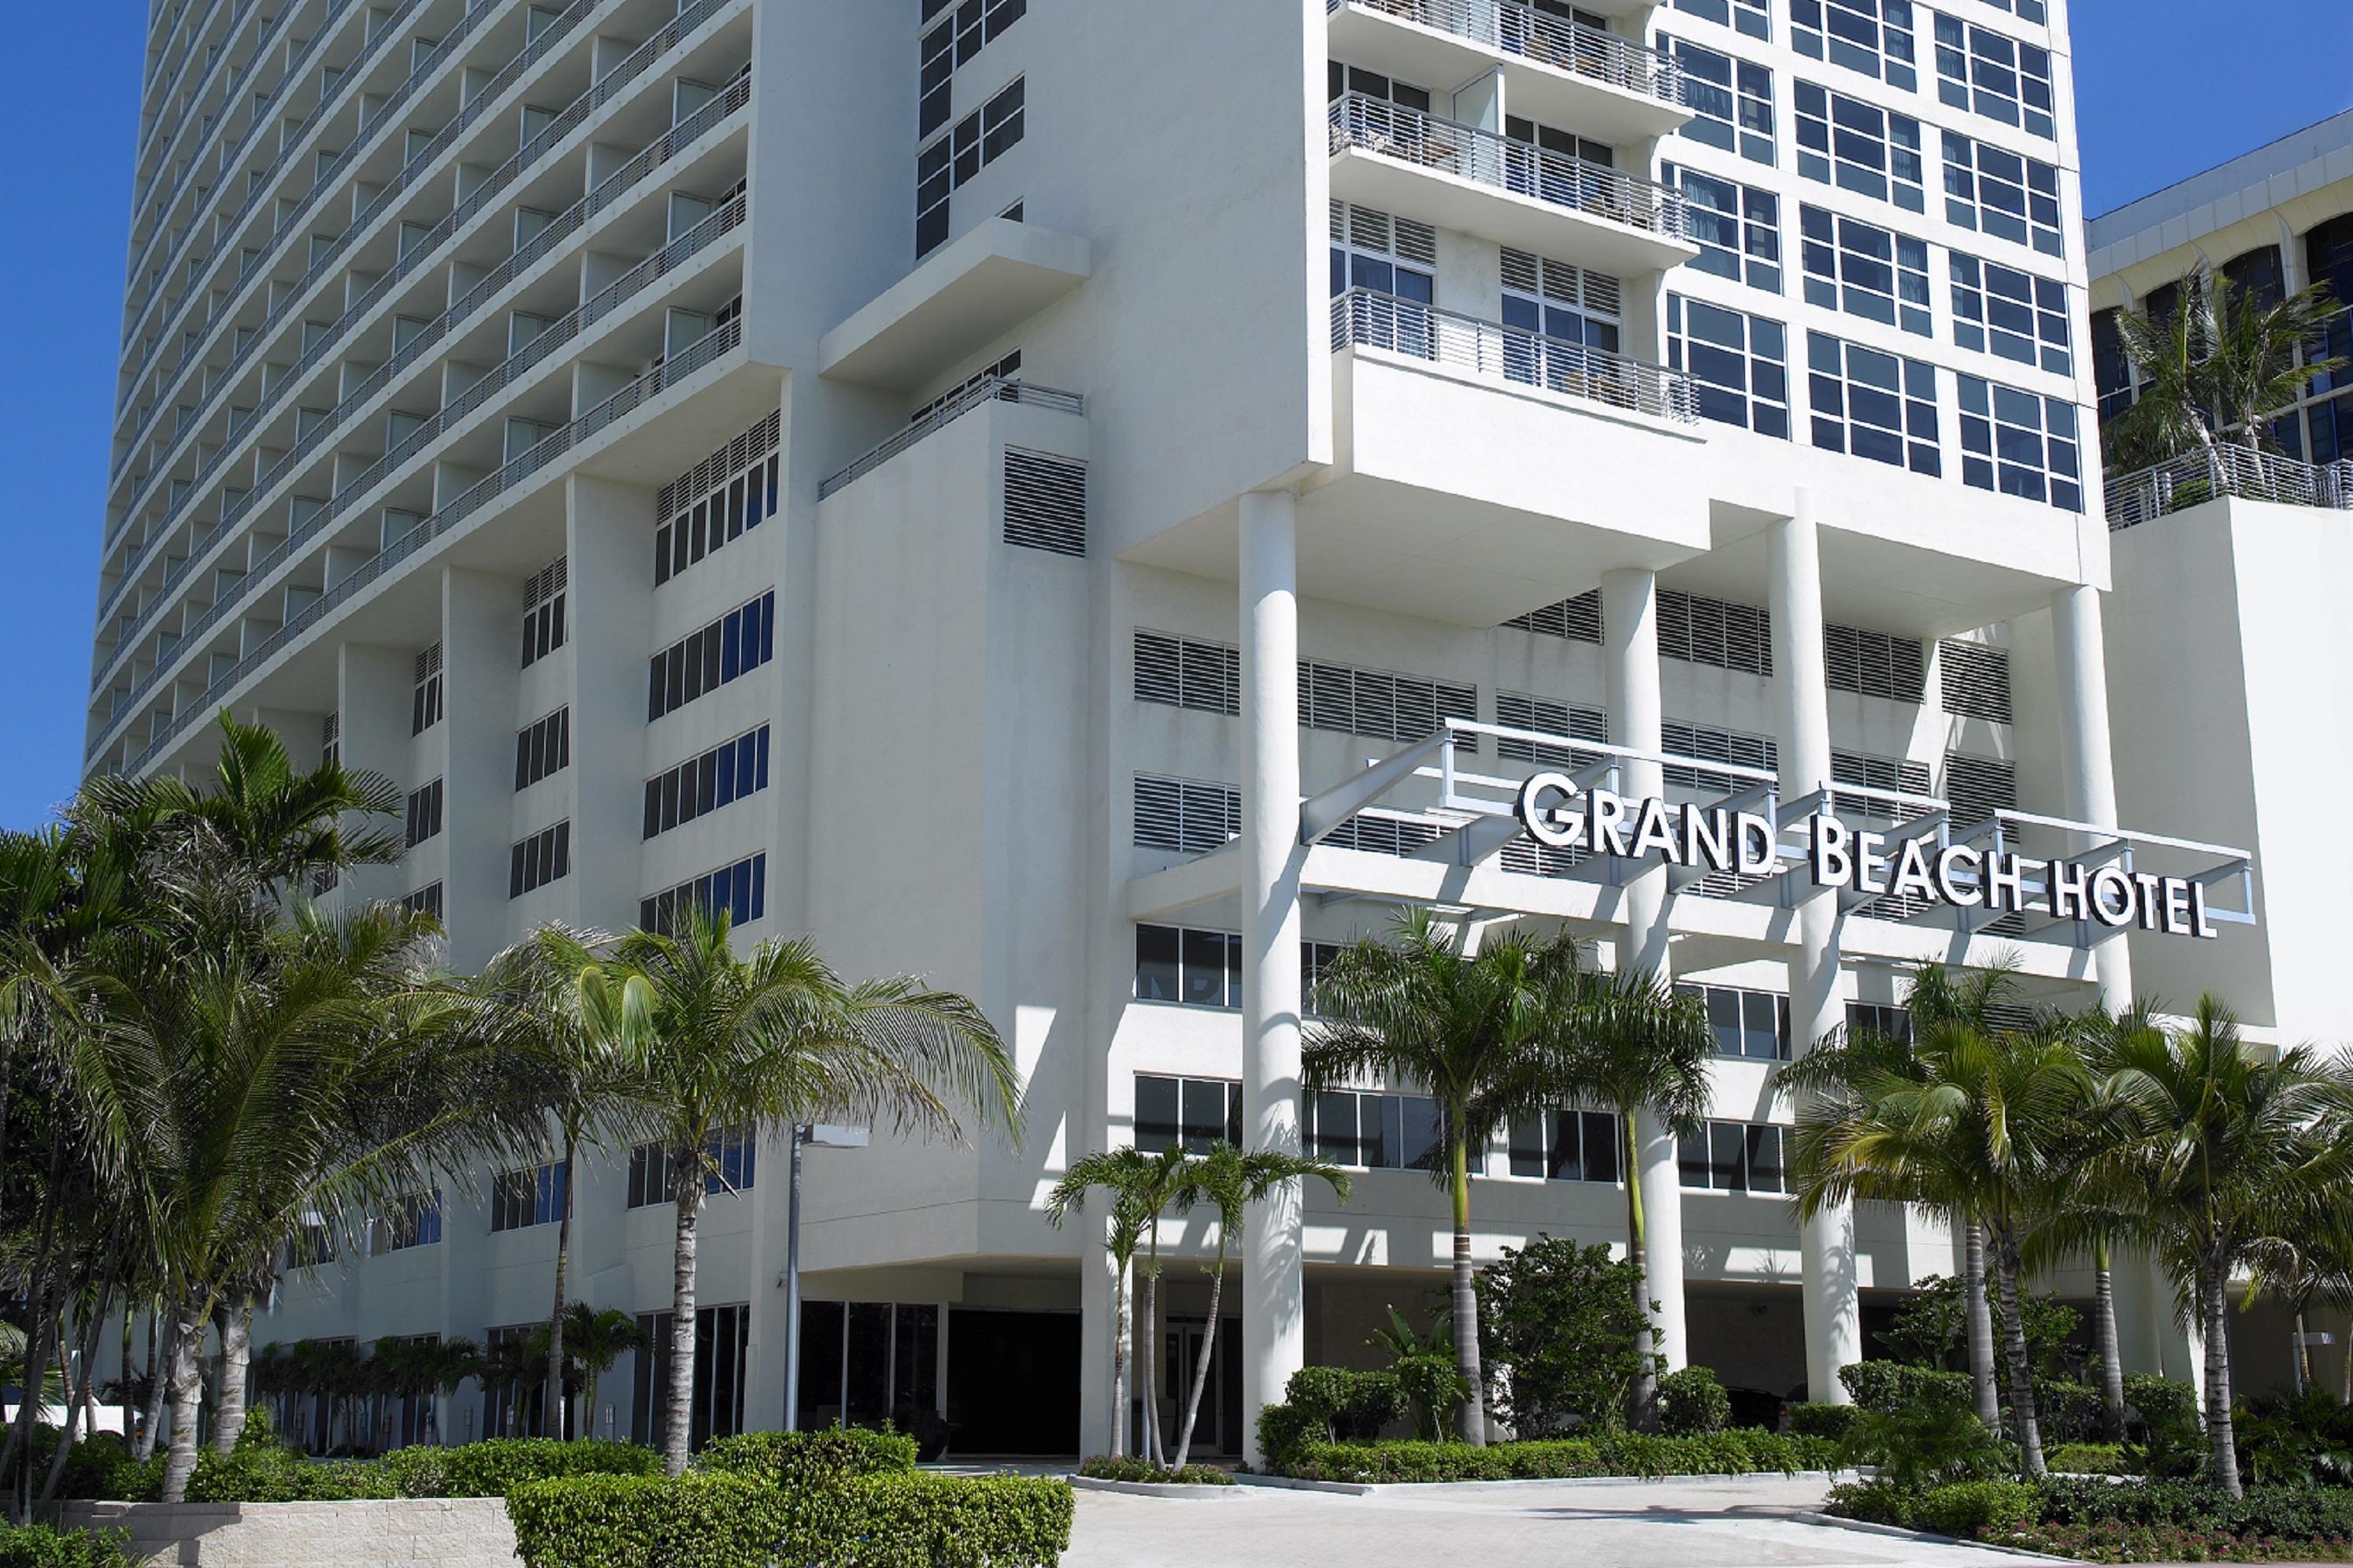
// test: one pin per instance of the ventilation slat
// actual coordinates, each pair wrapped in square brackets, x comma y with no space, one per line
[1976,680]
[1045,503]
[1575,620]
[1977,787]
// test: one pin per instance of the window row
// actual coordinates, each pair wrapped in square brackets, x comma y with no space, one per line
[717,520]
[425,698]
[730,1162]
[544,857]
[543,610]
[424,814]
[1752,1025]
[735,644]
[538,1195]
[1734,1157]
[1204,969]
[1368,1130]
[740,891]
[543,749]
[701,785]
[953,158]
[962,31]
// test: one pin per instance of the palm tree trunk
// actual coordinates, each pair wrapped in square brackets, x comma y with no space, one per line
[679,1406]
[2214,1305]
[2013,1345]
[1201,1367]
[2302,1360]
[1978,1313]
[1124,1331]
[1147,1356]
[1642,1396]
[1466,1293]
[2112,1367]
[159,1384]
[236,1320]
[554,1417]
[187,1338]
[80,1395]
[130,1400]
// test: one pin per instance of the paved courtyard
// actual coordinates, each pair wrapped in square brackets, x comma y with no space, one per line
[1744,1523]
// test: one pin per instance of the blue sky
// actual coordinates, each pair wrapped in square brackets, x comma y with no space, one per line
[2165,91]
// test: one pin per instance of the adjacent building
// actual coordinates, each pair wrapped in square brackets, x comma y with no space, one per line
[1100,505]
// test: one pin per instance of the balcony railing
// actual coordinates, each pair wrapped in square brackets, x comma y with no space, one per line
[1521,168]
[993,389]
[2199,477]
[1545,38]
[712,347]
[1364,319]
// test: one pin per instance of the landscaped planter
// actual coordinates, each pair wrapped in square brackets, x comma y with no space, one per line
[406,1532]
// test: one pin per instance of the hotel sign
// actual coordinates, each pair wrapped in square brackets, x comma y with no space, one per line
[1556,811]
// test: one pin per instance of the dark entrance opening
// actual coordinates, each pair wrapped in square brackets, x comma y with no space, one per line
[1013,1382]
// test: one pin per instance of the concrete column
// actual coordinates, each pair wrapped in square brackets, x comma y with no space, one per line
[481,615]
[608,565]
[2086,770]
[1801,709]
[1630,652]
[372,690]
[1273,1284]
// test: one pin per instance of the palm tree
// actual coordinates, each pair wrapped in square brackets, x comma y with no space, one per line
[598,1339]
[2215,369]
[1230,1180]
[451,1362]
[1640,1049]
[715,1042]
[1486,1032]
[1126,1175]
[2225,1151]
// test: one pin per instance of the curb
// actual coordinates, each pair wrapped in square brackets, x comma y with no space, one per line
[1379,1489]
[1929,1537]
[1187,1490]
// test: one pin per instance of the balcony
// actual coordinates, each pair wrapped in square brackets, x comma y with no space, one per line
[2199,477]
[1490,351]
[1557,72]
[1460,177]
[979,395]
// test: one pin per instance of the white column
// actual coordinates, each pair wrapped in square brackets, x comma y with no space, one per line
[1833,1322]
[1629,655]
[2086,770]
[1274,1287]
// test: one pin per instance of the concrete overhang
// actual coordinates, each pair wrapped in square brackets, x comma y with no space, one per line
[1492,212]
[959,301]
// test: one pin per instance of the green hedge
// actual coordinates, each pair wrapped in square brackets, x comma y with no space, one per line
[1833,1421]
[1692,1402]
[99,1469]
[721,1520]
[38,1546]
[1103,1467]
[826,1454]
[1746,1451]
[256,1473]
[1965,1509]
[2086,1460]
[2105,1522]
[1891,1386]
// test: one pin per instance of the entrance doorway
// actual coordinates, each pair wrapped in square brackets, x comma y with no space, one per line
[1013,1382]
[1219,1429]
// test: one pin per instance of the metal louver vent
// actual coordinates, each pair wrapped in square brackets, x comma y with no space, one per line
[1700,631]
[1563,283]
[1185,673]
[1977,787]
[1417,241]
[1873,664]
[1517,710]
[1045,501]
[428,664]
[547,582]
[1379,703]
[1976,680]
[1577,620]
[755,442]
[334,730]
[1704,743]
[1187,816]
[1895,773]
[1368,229]
[1398,836]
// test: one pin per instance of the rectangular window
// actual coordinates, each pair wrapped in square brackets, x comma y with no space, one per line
[960,35]
[414,1222]
[2021,444]
[2026,10]
[1380,703]
[534,1196]
[1879,1018]
[1973,681]
[1706,743]
[1872,405]
[1865,270]
[1749,16]
[543,749]
[722,1356]
[542,858]
[701,785]
[1873,664]
[954,158]
[1749,1025]
[2001,194]
[1860,147]
[2001,309]
[331,745]
[425,701]
[740,891]
[426,900]
[1702,630]
[1979,70]
[730,1162]
[713,504]
[1575,620]
[543,610]
[735,644]
[1518,710]
[1187,1113]
[1739,364]
[1186,673]
[1737,228]
[1873,36]
[1732,99]
[1204,969]
[1567,1146]
[1376,1132]
[1733,1157]
[1187,816]
[424,813]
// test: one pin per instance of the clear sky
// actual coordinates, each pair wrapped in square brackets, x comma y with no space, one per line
[2166,88]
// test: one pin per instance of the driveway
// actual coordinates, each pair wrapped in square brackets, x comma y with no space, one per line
[1749,1522]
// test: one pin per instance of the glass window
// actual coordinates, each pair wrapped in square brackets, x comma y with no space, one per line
[1732,99]
[1873,36]
[1733,1157]
[2021,444]
[1872,405]
[1191,1112]
[2001,194]
[1865,270]
[1737,228]
[2025,10]
[1860,147]
[1566,1146]
[1739,364]
[1749,16]
[1980,70]
[954,158]
[1749,1025]
[1376,1132]
[2001,309]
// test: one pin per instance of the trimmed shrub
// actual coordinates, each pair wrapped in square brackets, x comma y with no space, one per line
[1735,1453]
[264,1474]
[1326,1404]
[1979,1507]
[721,1520]
[38,1546]
[2165,1435]
[1691,1401]
[1891,1386]
[1917,1446]
[1827,1421]
[828,1456]
[99,1469]
[495,1467]
[2086,1460]
[1105,1467]
[2067,1411]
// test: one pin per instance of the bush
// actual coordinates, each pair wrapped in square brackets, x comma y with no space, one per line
[2166,1436]
[1829,1421]
[1735,1453]
[1891,1386]
[1917,1446]
[38,1546]
[1324,1405]
[497,1467]
[1979,1507]
[723,1520]
[99,1469]
[263,1475]
[825,1457]
[2066,1411]
[1105,1467]
[1930,1328]
[2086,1460]
[1691,1401]
[1562,1319]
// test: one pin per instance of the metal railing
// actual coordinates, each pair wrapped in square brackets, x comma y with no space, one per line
[1546,40]
[993,389]
[2199,477]
[162,152]
[1364,319]
[1377,125]
[711,347]
[628,286]
[150,90]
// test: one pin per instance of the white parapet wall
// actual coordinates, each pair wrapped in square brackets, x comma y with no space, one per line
[408,1532]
